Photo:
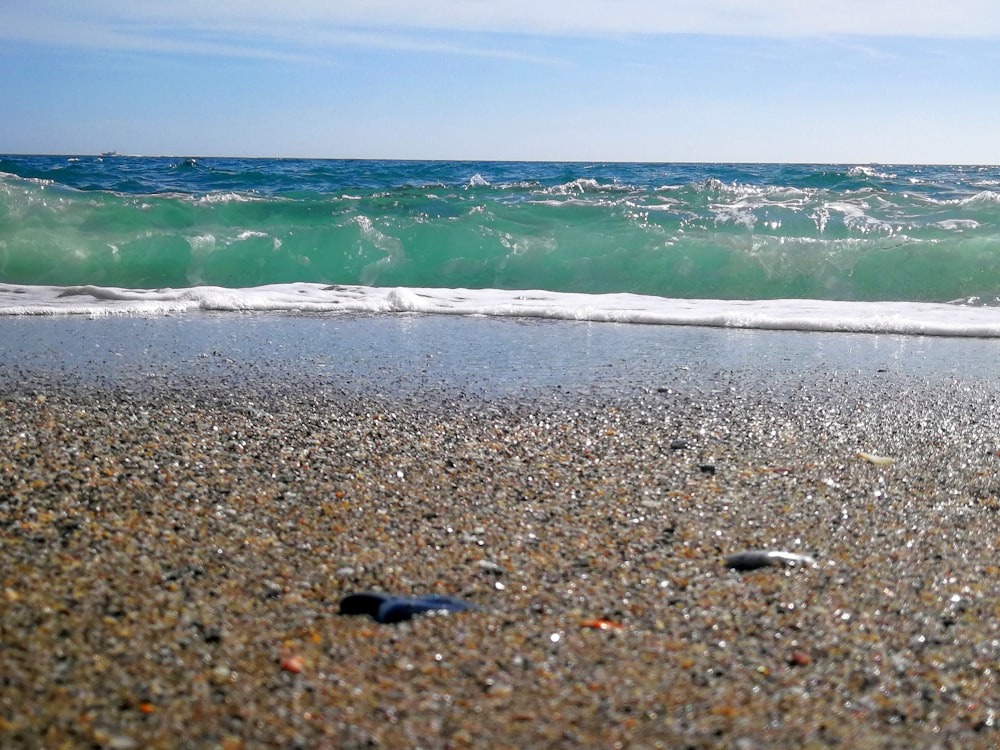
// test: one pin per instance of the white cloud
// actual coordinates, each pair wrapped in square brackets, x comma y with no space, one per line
[930,18]
[261,30]
[302,29]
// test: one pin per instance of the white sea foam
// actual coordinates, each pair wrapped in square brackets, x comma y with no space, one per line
[957,225]
[869,171]
[585,185]
[984,198]
[911,318]
[228,197]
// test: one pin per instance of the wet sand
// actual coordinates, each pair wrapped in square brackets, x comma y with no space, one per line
[180,525]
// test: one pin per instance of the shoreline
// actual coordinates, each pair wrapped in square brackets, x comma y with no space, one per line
[177,541]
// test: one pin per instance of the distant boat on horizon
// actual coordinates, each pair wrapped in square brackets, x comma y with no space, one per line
[109,153]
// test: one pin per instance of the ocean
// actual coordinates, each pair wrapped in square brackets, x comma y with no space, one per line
[857,248]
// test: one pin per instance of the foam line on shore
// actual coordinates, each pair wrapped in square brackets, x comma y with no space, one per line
[958,319]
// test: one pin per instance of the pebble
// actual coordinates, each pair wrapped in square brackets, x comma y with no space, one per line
[875,459]
[753,559]
[490,567]
[386,608]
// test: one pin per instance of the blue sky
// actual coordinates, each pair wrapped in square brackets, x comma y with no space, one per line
[675,80]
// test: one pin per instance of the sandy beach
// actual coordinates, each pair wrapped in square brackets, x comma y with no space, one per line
[182,512]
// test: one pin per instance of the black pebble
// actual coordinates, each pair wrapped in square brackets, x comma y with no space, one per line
[387,608]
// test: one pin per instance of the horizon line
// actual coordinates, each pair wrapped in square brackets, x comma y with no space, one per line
[415,159]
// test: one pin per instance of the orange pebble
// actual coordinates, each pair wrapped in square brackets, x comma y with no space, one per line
[292,664]
[601,625]
[800,658]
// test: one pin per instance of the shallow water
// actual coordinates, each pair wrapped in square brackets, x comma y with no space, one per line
[484,358]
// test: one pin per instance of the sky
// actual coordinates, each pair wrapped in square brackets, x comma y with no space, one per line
[846,81]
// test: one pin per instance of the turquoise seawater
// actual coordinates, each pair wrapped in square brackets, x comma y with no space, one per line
[748,232]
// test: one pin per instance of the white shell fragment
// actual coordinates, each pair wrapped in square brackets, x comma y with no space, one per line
[753,559]
[873,459]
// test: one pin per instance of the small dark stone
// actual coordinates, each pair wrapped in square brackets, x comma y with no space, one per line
[211,635]
[754,559]
[386,608]
[707,469]
[677,445]
[272,590]
[750,560]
